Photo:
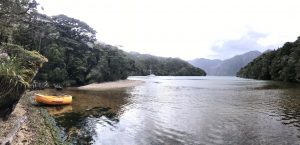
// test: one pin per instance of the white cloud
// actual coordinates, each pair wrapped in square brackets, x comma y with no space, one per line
[182,28]
[248,42]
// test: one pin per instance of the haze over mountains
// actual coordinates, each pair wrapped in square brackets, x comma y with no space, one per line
[228,67]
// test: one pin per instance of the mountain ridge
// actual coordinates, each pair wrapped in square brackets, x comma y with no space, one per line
[227,67]
[162,66]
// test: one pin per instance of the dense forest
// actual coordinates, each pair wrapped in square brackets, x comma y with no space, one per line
[162,66]
[75,56]
[282,64]
[17,66]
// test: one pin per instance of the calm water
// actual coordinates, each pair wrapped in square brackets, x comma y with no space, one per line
[185,110]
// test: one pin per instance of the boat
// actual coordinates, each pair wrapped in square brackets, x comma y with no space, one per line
[150,73]
[53,100]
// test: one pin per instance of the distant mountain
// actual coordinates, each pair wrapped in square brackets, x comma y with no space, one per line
[282,64]
[206,64]
[162,66]
[228,67]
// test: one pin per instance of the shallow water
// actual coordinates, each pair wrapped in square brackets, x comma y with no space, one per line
[185,110]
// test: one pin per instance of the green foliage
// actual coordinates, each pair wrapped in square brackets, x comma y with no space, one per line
[280,65]
[22,65]
[76,58]
[13,74]
[74,29]
[17,66]
[16,73]
[12,14]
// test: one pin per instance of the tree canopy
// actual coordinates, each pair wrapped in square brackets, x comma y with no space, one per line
[75,57]
[282,64]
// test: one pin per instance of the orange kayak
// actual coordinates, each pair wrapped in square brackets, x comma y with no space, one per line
[53,100]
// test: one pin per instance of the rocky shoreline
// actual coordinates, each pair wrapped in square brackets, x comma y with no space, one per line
[30,124]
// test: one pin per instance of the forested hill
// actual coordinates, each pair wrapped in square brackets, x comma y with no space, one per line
[228,67]
[282,64]
[75,56]
[162,66]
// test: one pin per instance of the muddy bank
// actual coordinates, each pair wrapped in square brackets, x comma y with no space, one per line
[111,85]
[30,125]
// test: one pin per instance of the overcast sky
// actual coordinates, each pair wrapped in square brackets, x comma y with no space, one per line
[186,28]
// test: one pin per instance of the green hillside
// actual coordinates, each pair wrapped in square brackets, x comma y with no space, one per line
[163,66]
[282,64]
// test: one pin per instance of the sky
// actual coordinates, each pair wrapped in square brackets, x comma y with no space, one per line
[188,29]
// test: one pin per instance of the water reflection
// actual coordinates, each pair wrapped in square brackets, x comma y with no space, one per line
[80,126]
[88,109]
[290,107]
[58,110]
[186,110]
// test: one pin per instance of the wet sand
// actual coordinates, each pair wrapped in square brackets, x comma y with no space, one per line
[111,85]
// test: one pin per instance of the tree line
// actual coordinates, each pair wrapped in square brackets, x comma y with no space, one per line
[75,56]
[162,66]
[282,64]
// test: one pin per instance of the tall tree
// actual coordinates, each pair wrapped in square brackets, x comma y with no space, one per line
[12,14]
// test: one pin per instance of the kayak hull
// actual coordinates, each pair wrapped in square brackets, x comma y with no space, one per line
[53,100]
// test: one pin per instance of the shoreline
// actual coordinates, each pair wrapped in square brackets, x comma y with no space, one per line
[111,85]
[37,126]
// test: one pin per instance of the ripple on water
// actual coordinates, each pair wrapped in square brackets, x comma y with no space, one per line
[210,110]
